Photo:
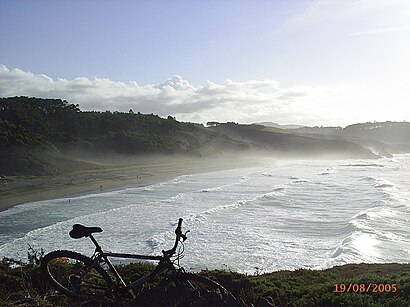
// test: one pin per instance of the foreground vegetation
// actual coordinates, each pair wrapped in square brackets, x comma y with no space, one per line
[21,285]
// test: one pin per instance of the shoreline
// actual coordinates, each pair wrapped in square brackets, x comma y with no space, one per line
[20,190]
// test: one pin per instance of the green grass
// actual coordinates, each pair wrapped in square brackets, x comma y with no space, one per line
[21,285]
[317,288]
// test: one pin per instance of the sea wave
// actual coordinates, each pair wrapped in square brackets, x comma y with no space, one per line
[363,165]
[285,216]
[224,187]
[300,181]
[381,184]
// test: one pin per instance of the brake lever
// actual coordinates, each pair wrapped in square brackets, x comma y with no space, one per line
[183,235]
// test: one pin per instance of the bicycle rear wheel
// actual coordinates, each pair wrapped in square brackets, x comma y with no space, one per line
[75,275]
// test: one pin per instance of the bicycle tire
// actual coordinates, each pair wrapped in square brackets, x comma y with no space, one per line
[187,289]
[71,273]
[209,292]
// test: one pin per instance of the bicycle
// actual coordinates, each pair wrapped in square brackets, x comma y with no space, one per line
[96,278]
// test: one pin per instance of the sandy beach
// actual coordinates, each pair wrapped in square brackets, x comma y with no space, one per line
[110,176]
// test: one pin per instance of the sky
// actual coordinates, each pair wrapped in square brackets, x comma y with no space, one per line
[308,62]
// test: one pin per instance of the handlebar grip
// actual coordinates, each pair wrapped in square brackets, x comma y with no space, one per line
[180,222]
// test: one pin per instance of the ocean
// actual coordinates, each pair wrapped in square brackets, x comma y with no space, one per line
[288,215]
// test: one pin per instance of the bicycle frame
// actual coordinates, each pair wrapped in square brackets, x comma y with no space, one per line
[164,261]
[96,277]
[98,256]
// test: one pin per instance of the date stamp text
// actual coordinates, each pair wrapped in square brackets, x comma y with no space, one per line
[368,288]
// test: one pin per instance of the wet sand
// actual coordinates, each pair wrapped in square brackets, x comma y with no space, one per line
[103,177]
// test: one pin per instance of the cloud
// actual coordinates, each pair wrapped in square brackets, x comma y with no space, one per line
[380,31]
[340,17]
[239,101]
[247,101]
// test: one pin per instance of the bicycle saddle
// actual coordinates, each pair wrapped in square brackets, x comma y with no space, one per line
[80,231]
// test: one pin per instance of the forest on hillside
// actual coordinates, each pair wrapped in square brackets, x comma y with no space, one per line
[35,133]
[55,123]
[397,133]
[32,127]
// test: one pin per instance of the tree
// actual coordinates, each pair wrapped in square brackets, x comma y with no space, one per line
[212,124]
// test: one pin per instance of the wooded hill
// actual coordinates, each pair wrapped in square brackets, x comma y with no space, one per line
[34,130]
[397,133]
[383,138]
[286,144]
[31,128]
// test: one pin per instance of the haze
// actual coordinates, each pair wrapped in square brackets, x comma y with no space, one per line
[291,62]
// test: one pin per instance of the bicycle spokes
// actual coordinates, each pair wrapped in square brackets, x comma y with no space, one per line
[77,276]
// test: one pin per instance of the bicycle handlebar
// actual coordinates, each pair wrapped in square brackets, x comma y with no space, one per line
[178,231]
[179,235]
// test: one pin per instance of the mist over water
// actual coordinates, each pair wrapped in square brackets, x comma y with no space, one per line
[298,214]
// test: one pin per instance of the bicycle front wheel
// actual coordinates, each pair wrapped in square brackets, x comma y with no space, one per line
[75,275]
[187,289]
[201,291]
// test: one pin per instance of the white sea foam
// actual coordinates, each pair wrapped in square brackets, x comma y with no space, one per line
[300,214]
